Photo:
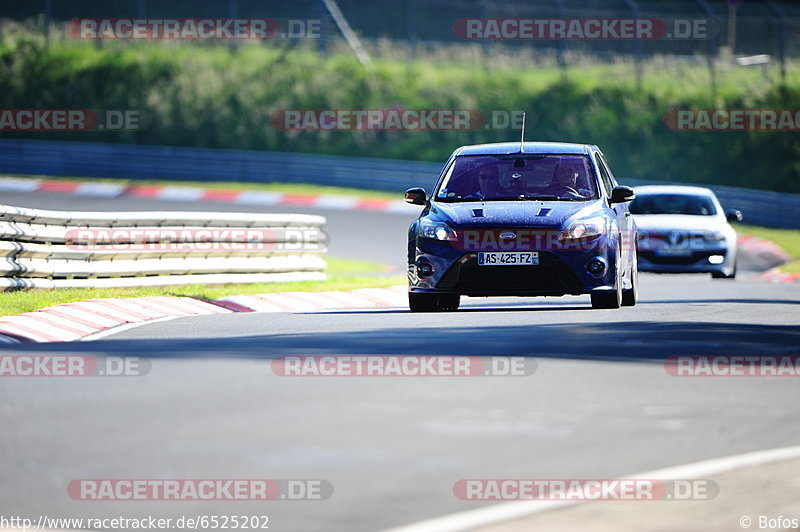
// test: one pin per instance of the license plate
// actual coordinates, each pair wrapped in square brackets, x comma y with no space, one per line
[513,258]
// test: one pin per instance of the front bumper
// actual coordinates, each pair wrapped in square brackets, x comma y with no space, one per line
[696,262]
[558,273]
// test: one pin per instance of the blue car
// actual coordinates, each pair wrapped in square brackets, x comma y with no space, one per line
[522,219]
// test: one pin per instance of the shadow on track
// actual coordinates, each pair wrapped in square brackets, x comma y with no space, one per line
[627,341]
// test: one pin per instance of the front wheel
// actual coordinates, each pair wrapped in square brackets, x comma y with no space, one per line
[607,299]
[630,295]
[422,302]
[723,275]
[449,302]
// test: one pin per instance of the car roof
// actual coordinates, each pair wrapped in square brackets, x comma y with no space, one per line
[673,189]
[509,148]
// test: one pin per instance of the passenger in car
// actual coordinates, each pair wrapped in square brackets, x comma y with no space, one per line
[569,180]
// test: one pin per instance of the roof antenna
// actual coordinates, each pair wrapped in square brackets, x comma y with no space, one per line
[522,137]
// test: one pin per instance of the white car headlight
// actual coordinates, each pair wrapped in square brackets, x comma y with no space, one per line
[590,227]
[714,236]
[436,231]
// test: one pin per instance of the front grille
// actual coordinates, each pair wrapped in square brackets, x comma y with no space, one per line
[550,275]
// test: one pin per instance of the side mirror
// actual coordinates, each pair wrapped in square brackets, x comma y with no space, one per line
[621,195]
[416,196]
[733,215]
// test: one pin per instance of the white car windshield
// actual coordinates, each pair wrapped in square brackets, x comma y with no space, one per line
[673,204]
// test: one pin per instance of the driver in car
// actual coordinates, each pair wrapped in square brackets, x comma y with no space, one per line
[489,183]
[567,182]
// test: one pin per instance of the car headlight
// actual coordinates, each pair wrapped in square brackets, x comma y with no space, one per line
[588,228]
[714,236]
[436,231]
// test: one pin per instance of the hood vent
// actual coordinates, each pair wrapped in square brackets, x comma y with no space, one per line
[477,213]
[544,212]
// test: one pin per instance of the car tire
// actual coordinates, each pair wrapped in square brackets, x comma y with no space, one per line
[607,299]
[723,275]
[433,302]
[423,302]
[630,295]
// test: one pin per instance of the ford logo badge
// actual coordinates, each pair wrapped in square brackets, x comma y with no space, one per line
[508,236]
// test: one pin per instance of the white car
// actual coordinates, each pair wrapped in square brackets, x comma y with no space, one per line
[683,229]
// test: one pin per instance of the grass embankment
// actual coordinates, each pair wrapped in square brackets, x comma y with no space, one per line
[217,96]
[343,274]
[786,239]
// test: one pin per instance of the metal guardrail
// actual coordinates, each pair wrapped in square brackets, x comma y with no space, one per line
[45,157]
[60,249]
[41,157]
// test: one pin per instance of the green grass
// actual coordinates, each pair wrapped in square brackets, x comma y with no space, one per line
[287,188]
[786,239]
[343,274]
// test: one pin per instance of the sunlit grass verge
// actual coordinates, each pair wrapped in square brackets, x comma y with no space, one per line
[286,188]
[343,274]
[786,239]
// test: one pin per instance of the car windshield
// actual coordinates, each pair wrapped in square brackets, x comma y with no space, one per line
[673,204]
[511,177]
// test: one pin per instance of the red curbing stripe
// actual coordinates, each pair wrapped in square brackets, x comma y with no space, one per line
[230,305]
[42,316]
[166,310]
[372,204]
[143,191]
[776,276]
[230,196]
[28,330]
[192,307]
[160,301]
[197,306]
[125,311]
[67,316]
[59,186]
[114,304]
[298,199]
[266,298]
[220,195]
[92,310]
